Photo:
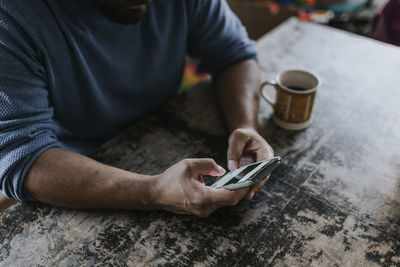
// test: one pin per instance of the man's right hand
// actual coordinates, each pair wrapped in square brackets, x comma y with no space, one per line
[181,189]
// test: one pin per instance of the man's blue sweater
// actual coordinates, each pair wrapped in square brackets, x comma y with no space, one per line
[71,78]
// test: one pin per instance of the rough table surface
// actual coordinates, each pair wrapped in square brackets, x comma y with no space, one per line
[334,201]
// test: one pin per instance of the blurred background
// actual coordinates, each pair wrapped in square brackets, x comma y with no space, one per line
[378,19]
[260,16]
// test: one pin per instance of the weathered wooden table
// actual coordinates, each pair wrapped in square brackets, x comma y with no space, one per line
[334,201]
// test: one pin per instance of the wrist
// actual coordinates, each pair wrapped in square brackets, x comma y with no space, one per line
[133,191]
[150,192]
[249,122]
[153,192]
[162,193]
[247,127]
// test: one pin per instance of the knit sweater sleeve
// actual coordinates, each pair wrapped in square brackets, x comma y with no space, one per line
[216,36]
[26,117]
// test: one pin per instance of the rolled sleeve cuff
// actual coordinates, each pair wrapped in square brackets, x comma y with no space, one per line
[217,65]
[22,160]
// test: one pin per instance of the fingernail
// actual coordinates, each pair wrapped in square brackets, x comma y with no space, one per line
[220,169]
[231,165]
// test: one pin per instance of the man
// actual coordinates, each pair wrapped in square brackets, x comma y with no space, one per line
[76,72]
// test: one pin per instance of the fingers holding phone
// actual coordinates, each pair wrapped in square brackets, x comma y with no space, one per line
[246,141]
[180,189]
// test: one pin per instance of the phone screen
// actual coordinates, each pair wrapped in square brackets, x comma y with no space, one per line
[248,175]
[242,174]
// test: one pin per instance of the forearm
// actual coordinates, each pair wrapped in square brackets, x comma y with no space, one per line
[238,94]
[62,178]
[67,179]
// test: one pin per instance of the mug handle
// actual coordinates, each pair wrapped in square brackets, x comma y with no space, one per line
[267,98]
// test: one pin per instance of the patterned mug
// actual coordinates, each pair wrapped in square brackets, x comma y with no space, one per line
[295,94]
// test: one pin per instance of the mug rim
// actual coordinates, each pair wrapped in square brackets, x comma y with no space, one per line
[278,81]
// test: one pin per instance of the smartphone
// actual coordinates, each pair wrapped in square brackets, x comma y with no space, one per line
[247,175]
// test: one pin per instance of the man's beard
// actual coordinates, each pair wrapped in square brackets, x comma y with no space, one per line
[118,10]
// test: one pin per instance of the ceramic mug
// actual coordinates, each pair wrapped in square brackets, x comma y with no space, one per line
[295,94]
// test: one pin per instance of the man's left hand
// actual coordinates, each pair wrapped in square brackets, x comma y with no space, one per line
[248,142]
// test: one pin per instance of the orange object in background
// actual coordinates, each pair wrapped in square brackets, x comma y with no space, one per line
[274,8]
[310,2]
[304,16]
